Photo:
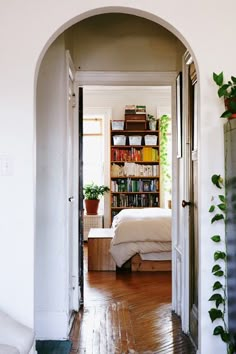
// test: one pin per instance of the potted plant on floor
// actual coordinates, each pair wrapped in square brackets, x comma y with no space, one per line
[92,194]
[228,92]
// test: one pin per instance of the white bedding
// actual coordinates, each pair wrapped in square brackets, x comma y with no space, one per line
[147,224]
[124,251]
[140,231]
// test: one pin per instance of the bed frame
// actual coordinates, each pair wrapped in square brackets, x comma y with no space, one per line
[138,265]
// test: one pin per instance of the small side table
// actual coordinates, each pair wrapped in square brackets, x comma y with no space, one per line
[99,257]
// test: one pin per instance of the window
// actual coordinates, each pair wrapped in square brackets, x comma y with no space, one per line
[93,156]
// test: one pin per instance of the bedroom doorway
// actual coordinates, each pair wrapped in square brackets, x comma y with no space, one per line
[137,78]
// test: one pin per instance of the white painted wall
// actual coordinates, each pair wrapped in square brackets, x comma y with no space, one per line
[27,28]
[156,99]
[51,284]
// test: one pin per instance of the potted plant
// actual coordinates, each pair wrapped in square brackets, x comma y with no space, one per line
[228,92]
[92,194]
[152,122]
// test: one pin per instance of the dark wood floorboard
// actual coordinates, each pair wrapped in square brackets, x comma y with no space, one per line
[128,313]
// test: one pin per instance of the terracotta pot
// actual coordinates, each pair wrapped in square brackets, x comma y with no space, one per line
[229,107]
[91,206]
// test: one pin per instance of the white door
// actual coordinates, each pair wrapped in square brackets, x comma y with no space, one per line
[72,192]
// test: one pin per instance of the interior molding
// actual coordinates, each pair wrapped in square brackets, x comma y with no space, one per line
[116,78]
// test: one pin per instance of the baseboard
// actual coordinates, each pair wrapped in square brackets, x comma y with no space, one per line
[51,325]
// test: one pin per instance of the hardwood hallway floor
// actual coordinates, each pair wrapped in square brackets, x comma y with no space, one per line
[128,313]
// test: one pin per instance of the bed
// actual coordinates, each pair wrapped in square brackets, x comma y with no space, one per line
[143,235]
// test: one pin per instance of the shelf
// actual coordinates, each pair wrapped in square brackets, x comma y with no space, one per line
[157,192]
[137,190]
[131,207]
[133,177]
[134,131]
[141,162]
[133,146]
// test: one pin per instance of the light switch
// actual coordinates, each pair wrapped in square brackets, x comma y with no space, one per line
[6,165]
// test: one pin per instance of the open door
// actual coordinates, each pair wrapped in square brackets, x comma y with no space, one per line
[190,203]
[80,196]
[193,244]
[72,191]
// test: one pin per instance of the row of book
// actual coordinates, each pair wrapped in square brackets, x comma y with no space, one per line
[135,185]
[135,109]
[134,169]
[137,200]
[144,153]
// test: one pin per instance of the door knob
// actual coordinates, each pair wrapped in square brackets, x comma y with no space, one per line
[184,203]
[71,199]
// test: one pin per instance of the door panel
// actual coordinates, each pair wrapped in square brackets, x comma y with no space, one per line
[193,210]
[80,200]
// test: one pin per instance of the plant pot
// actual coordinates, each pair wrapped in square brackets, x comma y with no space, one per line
[230,105]
[152,125]
[91,206]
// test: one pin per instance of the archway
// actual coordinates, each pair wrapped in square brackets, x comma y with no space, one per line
[147,16]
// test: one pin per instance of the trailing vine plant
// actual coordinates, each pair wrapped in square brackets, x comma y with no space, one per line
[219,270]
[164,161]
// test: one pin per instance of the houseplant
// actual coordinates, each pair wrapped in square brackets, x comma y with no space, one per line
[218,299]
[92,194]
[164,158]
[228,92]
[152,122]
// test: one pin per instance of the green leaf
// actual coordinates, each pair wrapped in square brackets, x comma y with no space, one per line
[222,206]
[217,180]
[226,114]
[215,314]
[222,198]
[223,90]
[232,106]
[218,330]
[233,78]
[217,217]
[220,273]
[216,238]
[218,78]
[225,337]
[212,208]
[217,298]
[217,285]
[219,255]
[215,268]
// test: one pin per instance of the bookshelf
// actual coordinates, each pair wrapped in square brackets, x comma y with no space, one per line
[134,167]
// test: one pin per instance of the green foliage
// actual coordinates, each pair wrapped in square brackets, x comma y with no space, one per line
[219,298]
[228,92]
[151,118]
[93,191]
[165,164]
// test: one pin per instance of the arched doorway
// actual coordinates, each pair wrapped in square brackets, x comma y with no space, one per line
[178,283]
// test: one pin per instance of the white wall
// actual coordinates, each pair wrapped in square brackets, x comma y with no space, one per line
[51,289]
[156,99]
[27,28]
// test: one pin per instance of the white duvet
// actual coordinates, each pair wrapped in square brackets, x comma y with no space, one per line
[147,224]
[140,231]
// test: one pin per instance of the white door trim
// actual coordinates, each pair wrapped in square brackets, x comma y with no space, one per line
[108,78]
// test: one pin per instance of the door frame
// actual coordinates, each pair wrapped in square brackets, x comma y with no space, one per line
[107,78]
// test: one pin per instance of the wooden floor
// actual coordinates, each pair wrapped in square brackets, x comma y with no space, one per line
[128,313]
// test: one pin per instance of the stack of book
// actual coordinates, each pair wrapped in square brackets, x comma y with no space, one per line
[130,109]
